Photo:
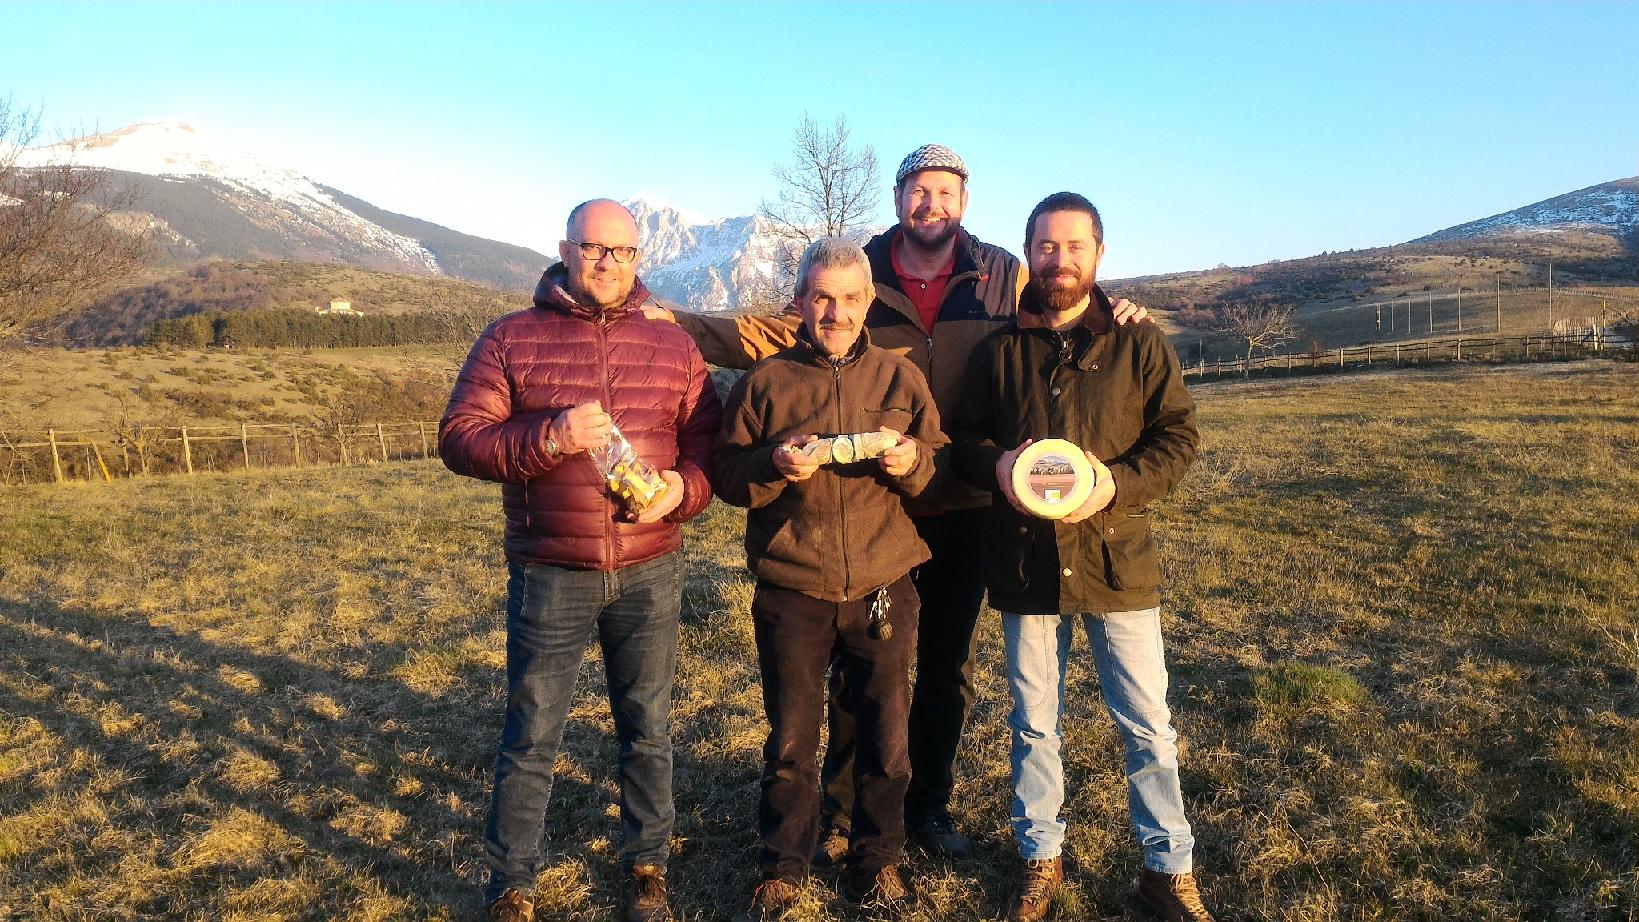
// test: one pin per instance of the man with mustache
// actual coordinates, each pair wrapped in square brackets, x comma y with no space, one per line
[939,290]
[540,391]
[1063,369]
[825,443]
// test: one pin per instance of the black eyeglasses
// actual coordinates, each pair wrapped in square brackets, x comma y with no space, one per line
[592,252]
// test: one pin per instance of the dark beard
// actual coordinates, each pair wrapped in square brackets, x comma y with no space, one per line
[1059,300]
[924,239]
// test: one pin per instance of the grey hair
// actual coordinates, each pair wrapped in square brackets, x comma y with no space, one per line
[832,253]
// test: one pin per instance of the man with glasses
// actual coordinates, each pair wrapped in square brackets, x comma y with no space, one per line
[939,290]
[540,390]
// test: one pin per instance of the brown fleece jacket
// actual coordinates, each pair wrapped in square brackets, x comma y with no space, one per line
[844,531]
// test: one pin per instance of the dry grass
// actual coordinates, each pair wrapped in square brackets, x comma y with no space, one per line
[1401,615]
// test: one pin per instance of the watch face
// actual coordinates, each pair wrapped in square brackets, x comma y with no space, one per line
[842,450]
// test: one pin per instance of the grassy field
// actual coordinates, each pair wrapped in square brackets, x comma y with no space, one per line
[89,388]
[1402,625]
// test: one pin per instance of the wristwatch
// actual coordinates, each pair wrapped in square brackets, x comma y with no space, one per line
[552,448]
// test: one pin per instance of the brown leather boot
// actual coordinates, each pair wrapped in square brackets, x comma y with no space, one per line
[511,906]
[770,901]
[643,895]
[832,849]
[882,893]
[1173,897]
[1038,884]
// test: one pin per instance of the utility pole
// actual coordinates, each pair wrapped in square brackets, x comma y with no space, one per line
[1499,303]
[1550,297]
[1379,306]
[1459,308]
[1431,313]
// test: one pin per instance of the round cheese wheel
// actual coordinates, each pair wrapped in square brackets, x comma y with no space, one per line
[1052,478]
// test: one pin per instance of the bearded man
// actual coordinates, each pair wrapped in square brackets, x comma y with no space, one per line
[1065,370]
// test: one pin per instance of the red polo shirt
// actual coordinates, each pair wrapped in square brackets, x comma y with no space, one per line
[924,293]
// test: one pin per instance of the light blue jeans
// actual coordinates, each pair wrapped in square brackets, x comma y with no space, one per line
[1127,650]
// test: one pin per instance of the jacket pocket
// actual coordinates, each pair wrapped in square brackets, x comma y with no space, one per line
[896,418]
[1130,561]
[1007,565]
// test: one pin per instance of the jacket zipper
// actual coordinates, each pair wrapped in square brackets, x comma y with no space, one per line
[609,408]
[842,507]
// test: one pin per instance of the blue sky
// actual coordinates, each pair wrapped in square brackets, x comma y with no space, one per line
[1207,133]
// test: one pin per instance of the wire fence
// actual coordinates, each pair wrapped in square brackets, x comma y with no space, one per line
[86,454]
[1531,347]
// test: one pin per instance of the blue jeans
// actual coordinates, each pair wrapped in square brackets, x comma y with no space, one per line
[552,613]
[1131,668]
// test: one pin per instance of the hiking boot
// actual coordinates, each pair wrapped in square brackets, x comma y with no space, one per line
[1039,883]
[833,846]
[1173,897]
[511,906]
[770,901]
[882,893]
[643,894]
[937,836]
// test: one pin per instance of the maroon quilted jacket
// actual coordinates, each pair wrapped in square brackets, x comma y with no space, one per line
[532,365]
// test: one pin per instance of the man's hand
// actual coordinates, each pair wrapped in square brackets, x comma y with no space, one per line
[665,502]
[579,428]
[1004,475]
[1126,311]
[791,463]
[900,457]
[656,312]
[1101,497]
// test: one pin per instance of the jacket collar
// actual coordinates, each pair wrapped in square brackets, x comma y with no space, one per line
[811,353]
[551,294]
[1099,317]
[879,250]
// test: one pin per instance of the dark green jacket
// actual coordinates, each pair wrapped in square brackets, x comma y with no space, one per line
[1116,391]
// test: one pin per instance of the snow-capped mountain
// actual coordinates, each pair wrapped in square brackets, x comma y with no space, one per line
[1610,208]
[206,200]
[709,265]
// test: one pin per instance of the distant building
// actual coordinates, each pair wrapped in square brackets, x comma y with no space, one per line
[339,307]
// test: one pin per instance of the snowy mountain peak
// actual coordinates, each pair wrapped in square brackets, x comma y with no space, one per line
[1611,207]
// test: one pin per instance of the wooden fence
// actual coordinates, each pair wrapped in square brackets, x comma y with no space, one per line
[1422,352]
[86,454]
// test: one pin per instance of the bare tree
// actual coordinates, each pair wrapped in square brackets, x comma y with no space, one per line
[1258,325]
[62,240]
[829,189]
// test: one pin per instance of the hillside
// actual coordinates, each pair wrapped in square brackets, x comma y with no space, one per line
[92,388]
[1407,688]
[207,200]
[1337,293]
[121,318]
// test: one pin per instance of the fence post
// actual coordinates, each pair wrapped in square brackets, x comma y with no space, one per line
[56,459]
[1428,350]
[1340,356]
[382,441]
[1527,345]
[296,444]
[187,452]
[421,427]
[244,445]
[1396,353]
[1459,348]
[1368,353]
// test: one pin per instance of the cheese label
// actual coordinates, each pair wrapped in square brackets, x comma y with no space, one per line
[1052,478]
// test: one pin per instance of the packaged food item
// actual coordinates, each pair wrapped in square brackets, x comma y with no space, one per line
[1052,478]
[845,449]
[630,478]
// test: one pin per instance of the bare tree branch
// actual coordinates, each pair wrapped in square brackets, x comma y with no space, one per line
[62,238]
[827,190]
[1260,326]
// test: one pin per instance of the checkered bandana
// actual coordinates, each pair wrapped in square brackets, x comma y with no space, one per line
[930,157]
